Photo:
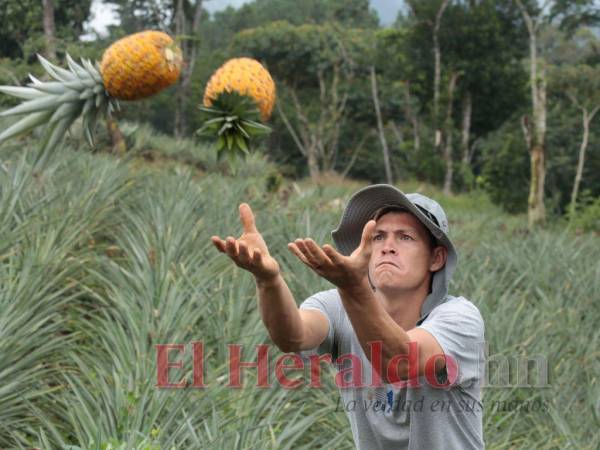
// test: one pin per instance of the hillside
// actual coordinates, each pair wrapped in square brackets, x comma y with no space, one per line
[103,258]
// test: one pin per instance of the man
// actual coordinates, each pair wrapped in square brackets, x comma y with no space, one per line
[391,270]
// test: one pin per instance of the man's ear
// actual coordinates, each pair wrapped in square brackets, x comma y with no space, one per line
[438,258]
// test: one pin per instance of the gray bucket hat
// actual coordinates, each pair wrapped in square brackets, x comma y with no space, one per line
[364,203]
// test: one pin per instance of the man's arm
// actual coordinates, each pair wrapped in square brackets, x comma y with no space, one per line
[373,324]
[368,317]
[291,329]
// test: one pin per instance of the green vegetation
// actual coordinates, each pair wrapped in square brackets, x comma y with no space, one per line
[106,254]
[456,120]
[103,258]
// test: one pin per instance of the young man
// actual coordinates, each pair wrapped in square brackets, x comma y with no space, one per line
[419,351]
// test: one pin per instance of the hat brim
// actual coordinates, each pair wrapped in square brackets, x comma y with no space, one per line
[364,203]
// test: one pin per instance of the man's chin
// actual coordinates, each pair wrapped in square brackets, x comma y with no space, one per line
[388,273]
[388,283]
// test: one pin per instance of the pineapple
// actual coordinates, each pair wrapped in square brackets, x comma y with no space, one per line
[238,95]
[134,67]
[140,65]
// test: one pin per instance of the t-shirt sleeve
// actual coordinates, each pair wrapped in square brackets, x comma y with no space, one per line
[459,329]
[327,302]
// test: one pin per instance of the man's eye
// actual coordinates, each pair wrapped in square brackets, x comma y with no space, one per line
[406,237]
[376,238]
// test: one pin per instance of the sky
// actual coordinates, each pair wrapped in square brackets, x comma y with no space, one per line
[102,14]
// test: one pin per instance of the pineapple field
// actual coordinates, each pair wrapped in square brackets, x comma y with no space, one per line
[104,258]
[127,144]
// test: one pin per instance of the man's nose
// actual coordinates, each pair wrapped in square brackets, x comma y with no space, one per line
[388,247]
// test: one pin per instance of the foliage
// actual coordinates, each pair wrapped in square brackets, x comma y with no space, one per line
[505,162]
[22,25]
[295,54]
[505,171]
[137,15]
[234,121]
[317,68]
[102,258]
[572,14]
[578,83]
[587,214]
[12,71]
[485,41]
[188,155]
[106,258]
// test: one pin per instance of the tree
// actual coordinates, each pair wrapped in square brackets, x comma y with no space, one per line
[189,47]
[437,58]
[433,19]
[137,15]
[476,77]
[23,23]
[382,139]
[570,14]
[504,164]
[484,44]
[348,13]
[314,67]
[448,129]
[581,85]
[399,80]
[49,28]
[534,128]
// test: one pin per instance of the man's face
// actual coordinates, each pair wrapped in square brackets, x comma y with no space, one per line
[402,258]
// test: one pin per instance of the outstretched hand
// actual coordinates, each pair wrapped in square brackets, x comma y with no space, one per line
[249,251]
[345,272]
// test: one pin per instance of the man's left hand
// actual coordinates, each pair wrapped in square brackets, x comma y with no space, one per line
[346,272]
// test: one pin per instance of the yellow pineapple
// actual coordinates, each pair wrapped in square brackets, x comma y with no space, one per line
[140,65]
[246,76]
[239,94]
[134,67]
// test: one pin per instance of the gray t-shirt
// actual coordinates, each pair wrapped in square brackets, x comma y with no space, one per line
[424,417]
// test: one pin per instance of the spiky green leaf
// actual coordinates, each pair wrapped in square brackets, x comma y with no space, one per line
[66,111]
[241,143]
[58,73]
[25,124]
[26,93]
[31,106]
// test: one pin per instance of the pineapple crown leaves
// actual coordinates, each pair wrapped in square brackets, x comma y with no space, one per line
[78,91]
[234,119]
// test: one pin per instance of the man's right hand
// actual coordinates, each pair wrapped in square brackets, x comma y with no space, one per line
[249,251]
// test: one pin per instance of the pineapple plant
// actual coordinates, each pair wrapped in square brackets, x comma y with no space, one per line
[132,68]
[238,97]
